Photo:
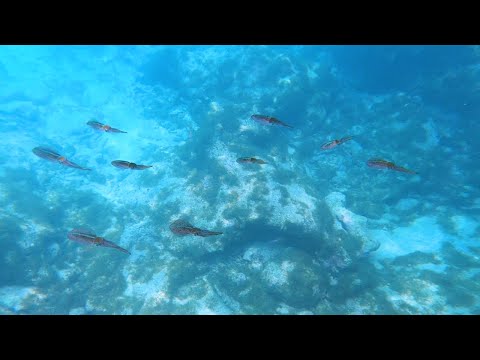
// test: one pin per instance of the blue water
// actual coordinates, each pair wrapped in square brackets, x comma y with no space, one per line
[313,231]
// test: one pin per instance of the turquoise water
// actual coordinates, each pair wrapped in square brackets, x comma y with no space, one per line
[313,231]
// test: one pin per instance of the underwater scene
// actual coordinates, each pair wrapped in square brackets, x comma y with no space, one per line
[239,179]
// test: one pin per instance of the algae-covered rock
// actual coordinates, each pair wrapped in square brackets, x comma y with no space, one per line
[290,275]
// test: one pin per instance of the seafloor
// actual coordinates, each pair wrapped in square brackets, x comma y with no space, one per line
[311,232]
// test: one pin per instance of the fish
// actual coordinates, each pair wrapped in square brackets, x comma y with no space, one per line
[383,164]
[250,160]
[88,237]
[182,228]
[374,248]
[336,142]
[103,127]
[51,155]
[264,119]
[122,164]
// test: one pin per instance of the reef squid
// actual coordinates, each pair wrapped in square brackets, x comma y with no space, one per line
[103,127]
[250,160]
[122,164]
[269,120]
[383,164]
[336,142]
[88,237]
[182,228]
[51,155]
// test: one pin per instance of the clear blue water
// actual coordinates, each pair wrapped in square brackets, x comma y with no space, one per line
[313,231]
